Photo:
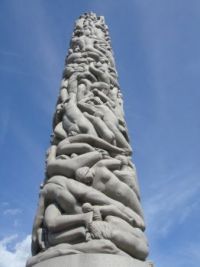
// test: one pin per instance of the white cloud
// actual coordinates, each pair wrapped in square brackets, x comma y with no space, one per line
[172,202]
[183,256]
[17,257]
[16,223]
[12,211]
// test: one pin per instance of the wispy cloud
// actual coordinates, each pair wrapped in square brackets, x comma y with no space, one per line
[7,240]
[16,223]
[183,256]
[12,212]
[18,256]
[4,204]
[172,202]
[10,215]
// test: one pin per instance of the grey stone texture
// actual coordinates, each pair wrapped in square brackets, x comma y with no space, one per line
[93,260]
[89,202]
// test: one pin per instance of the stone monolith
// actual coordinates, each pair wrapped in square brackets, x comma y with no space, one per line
[89,211]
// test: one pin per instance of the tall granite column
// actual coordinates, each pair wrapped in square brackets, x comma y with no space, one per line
[89,211]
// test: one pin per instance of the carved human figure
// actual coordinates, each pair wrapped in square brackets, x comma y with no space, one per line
[127,174]
[101,128]
[65,228]
[79,22]
[101,72]
[129,239]
[74,228]
[95,142]
[70,195]
[102,178]
[67,166]
[107,115]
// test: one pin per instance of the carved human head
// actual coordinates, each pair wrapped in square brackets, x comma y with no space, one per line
[87,207]
[87,32]
[104,60]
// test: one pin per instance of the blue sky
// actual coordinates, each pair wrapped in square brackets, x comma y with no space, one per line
[156,45]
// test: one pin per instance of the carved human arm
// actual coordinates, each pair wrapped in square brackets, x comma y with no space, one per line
[68,167]
[96,142]
[85,107]
[111,163]
[78,148]
[63,95]
[56,221]
[98,199]
[106,210]
[51,154]
[101,128]
[98,73]
[102,86]
[104,97]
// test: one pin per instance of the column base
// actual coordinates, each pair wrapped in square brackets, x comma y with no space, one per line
[93,260]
